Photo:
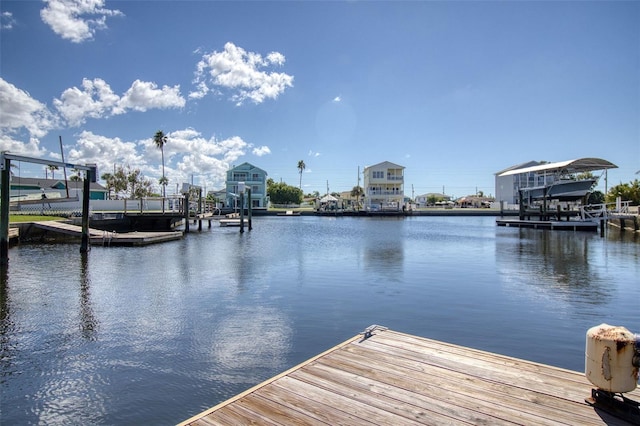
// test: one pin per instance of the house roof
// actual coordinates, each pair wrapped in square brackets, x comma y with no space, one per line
[571,166]
[38,183]
[385,165]
[433,194]
[247,166]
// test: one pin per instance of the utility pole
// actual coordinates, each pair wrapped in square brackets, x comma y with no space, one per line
[66,185]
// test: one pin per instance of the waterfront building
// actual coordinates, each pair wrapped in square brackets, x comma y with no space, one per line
[254,178]
[432,198]
[384,186]
[25,188]
[507,186]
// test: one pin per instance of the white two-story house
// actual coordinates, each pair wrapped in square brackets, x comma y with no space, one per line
[384,186]
[254,178]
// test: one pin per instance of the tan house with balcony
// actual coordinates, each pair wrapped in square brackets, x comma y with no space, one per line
[384,187]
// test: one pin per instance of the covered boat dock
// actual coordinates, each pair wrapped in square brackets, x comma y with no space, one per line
[547,192]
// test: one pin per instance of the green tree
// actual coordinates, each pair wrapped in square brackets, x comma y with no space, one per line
[76,176]
[596,197]
[160,140]
[127,180]
[583,175]
[301,167]
[357,192]
[627,191]
[53,171]
[281,193]
[110,183]
[120,180]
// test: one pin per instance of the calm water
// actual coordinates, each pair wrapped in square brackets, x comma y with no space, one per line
[160,333]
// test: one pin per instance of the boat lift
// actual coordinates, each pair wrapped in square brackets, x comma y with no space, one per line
[5,190]
[553,186]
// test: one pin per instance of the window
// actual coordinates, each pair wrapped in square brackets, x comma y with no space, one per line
[239,177]
[378,175]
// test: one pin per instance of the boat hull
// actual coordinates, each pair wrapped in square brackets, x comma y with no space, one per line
[564,190]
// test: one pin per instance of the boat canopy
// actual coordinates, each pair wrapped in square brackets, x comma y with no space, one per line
[328,198]
[572,166]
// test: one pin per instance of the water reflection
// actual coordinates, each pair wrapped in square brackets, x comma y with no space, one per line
[384,250]
[152,335]
[555,263]
[88,321]
[248,343]
[6,323]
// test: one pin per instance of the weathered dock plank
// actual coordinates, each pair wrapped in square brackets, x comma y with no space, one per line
[99,237]
[14,233]
[395,378]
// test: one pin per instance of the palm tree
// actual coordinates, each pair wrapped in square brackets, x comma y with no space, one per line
[53,171]
[357,192]
[160,139]
[301,167]
[110,179]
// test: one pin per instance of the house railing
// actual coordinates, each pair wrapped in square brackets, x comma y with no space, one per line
[388,192]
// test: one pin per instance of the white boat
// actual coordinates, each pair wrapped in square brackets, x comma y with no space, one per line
[563,190]
[289,213]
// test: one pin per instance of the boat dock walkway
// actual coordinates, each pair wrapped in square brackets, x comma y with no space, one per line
[393,378]
[105,238]
[567,225]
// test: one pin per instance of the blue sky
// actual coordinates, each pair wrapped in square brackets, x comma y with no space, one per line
[453,91]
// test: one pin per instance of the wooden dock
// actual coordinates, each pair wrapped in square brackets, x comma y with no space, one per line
[107,238]
[566,225]
[393,378]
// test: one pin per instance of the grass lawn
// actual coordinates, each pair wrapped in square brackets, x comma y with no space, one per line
[17,218]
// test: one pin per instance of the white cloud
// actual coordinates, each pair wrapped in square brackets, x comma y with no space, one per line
[76,20]
[337,99]
[94,100]
[97,100]
[21,111]
[7,21]
[313,154]
[30,149]
[145,95]
[187,153]
[260,151]
[239,72]
[105,152]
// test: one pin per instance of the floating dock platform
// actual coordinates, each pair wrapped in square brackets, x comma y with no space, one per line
[385,377]
[107,238]
[567,225]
